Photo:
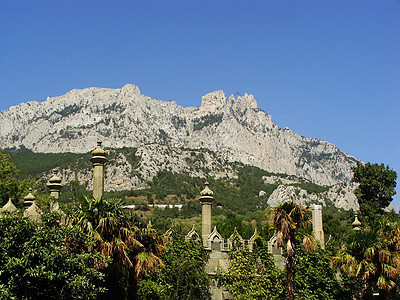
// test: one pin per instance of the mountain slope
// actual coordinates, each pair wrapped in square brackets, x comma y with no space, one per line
[235,129]
[161,171]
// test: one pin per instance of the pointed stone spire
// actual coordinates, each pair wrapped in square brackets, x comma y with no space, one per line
[252,239]
[235,238]
[33,212]
[192,235]
[8,207]
[98,159]
[356,224]
[206,200]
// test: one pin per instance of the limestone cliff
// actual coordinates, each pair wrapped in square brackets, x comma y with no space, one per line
[340,196]
[235,128]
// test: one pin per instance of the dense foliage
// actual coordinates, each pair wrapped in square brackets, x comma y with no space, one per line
[47,261]
[376,188]
[134,251]
[253,275]
[10,187]
[372,257]
[317,279]
[183,276]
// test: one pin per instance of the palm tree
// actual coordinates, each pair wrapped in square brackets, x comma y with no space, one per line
[147,259]
[372,256]
[287,219]
[133,250]
[106,222]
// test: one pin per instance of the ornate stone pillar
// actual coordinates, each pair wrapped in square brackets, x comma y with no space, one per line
[55,186]
[318,230]
[356,224]
[206,200]
[31,210]
[29,199]
[98,160]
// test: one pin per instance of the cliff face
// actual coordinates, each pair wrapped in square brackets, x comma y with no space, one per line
[235,129]
[340,196]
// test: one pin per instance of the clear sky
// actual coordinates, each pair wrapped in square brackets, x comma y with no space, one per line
[325,69]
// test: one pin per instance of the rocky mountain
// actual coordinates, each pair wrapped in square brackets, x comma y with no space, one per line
[340,196]
[234,128]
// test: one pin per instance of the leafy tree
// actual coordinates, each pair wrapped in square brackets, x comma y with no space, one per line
[287,219]
[376,188]
[10,187]
[316,278]
[372,257]
[253,275]
[183,277]
[337,223]
[47,261]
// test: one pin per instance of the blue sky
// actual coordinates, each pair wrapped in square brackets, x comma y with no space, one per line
[325,69]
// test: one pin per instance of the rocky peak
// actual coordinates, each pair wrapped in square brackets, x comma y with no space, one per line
[246,100]
[211,101]
[130,89]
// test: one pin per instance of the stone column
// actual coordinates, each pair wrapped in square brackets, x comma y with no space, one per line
[31,210]
[318,230]
[206,200]
[55,185]
[98,159]
[29,199]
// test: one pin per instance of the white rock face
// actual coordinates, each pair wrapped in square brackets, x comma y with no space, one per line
[235,129]
[121,175]
[341,196]
[276,179]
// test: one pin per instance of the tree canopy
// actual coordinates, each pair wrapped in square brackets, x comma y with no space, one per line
[10,187]
[253,275]
[372,257]
[376,188]
[47,261]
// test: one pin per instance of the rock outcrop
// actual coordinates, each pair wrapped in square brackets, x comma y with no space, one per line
[341,196]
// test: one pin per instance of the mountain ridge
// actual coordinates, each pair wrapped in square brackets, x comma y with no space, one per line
[234,128]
